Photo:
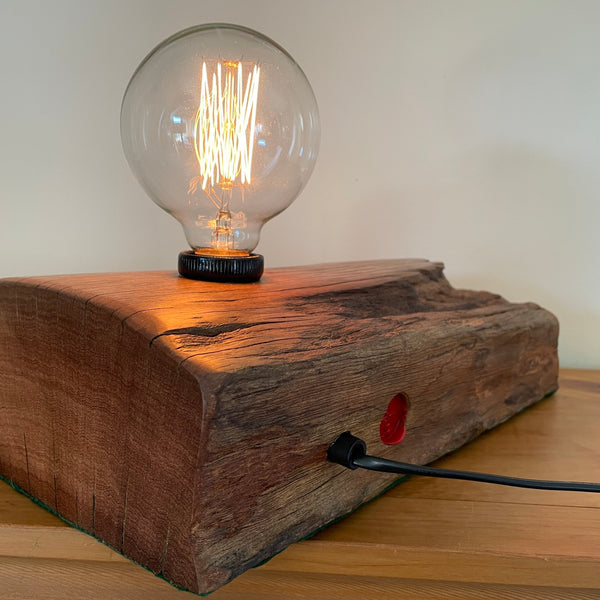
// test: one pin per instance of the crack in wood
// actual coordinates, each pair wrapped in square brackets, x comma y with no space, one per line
[164,551]
[27,461]
[54,468]
[94,510]
[210,331]
[124,513]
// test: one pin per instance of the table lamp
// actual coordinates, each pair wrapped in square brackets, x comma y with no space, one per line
[221,128]
[186,421]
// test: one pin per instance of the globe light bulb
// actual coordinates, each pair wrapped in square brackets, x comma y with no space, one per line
[221,128]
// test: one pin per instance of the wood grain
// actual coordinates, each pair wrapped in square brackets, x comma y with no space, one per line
[185,423]
[453,539]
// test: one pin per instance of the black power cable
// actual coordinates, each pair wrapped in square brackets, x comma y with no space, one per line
[351,452]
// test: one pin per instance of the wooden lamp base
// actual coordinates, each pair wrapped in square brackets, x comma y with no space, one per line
[186,423]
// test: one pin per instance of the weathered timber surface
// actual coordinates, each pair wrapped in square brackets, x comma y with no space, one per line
[185,423]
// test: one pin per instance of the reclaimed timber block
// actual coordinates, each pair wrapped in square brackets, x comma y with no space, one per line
[186,423]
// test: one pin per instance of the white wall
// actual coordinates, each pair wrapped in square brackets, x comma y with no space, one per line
[465,131]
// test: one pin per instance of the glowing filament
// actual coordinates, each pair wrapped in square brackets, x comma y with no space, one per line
[224,126]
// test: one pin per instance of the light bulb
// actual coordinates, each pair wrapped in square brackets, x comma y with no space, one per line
[221,128]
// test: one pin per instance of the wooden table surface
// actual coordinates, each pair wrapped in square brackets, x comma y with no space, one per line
[425,538]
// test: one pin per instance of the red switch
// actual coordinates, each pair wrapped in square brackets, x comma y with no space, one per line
[392,429]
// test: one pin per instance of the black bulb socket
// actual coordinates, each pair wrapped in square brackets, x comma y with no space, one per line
[221,269]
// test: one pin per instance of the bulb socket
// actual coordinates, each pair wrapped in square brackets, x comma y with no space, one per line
[222,269]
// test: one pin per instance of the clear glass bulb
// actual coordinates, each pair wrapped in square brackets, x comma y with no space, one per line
[221,127]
